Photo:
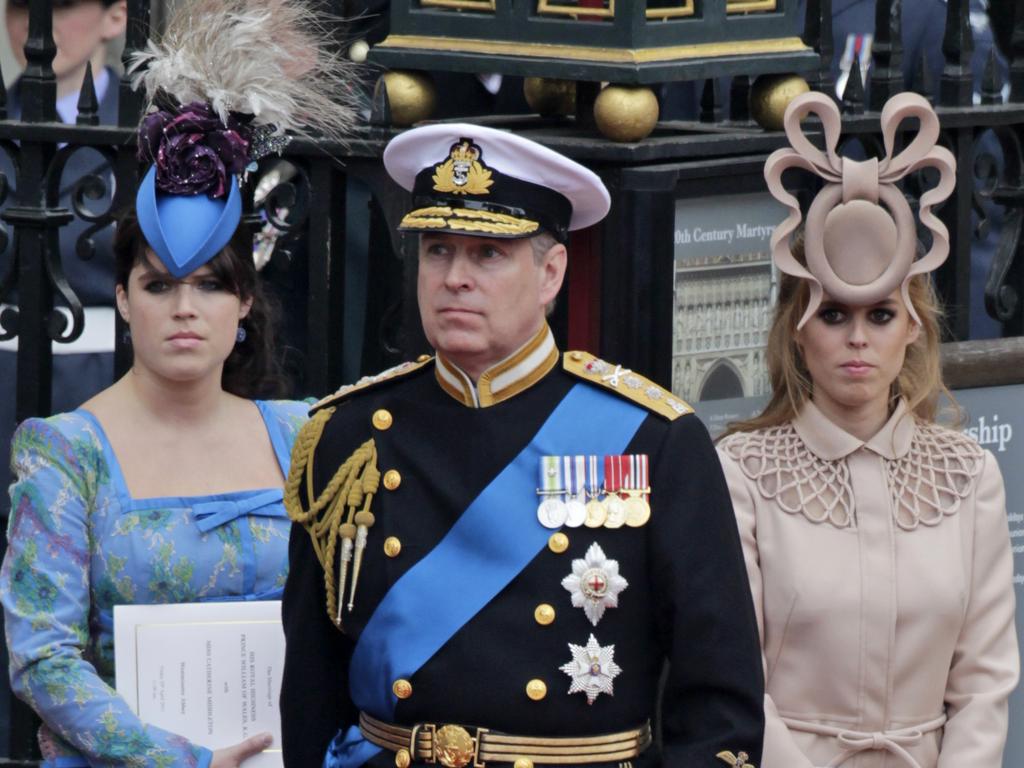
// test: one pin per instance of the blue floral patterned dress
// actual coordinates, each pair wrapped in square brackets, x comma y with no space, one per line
[80,544]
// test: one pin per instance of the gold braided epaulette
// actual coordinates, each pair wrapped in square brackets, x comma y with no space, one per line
[366,382]
[624,382]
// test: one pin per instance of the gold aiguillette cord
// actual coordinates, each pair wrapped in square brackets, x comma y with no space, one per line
[345,504]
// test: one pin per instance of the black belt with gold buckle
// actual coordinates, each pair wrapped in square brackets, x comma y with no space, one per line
[458,746]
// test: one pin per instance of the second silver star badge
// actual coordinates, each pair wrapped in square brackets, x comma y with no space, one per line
[592,669]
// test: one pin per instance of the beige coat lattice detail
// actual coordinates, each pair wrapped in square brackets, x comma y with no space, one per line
[793,477]
[934,477]
[927,483]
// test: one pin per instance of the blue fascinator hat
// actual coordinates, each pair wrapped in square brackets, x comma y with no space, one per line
[186,232]
[189,203]
[229,82]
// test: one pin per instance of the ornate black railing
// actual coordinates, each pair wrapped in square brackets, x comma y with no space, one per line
[339,197]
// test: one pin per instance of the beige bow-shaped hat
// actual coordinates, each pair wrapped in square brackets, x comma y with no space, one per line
[860,237]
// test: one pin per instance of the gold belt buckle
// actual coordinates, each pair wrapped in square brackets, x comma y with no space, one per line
[454,747]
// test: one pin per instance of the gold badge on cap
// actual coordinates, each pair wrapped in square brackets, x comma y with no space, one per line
[463,173]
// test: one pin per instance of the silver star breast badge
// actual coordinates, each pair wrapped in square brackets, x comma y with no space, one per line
[592,669]
[595,583]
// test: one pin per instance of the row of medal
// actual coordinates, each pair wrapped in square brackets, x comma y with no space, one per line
[581,490]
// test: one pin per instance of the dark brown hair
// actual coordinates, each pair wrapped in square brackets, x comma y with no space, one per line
[253,369]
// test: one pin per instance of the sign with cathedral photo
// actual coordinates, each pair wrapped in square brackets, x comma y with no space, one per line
[723,294]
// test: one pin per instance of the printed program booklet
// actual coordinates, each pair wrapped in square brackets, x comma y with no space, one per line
[210,672]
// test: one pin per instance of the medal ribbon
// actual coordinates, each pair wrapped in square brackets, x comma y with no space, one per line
[551,475]
[616,474]
[640,481]
[638,472]
[485,550]
[575,476]
[594,477]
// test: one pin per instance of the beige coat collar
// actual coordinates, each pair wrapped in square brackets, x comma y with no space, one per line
[829,442]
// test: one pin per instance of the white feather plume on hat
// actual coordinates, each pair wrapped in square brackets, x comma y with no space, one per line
[271,59]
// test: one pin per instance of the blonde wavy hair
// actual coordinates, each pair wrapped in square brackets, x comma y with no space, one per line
[919,381]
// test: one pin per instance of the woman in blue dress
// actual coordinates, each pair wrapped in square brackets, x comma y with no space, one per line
[164,488]
[167,486]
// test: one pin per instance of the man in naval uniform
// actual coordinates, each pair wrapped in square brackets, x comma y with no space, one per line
[497,549]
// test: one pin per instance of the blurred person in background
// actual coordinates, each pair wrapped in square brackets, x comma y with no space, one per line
[82,31]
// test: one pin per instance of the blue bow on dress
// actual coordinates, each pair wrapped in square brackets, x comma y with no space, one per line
[211,514]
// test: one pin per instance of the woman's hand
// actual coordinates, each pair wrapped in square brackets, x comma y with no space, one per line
[233,757]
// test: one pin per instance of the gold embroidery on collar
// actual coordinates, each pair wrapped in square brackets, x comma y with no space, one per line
[462,390]
[522,380]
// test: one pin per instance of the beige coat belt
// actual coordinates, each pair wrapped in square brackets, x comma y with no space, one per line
[855,742]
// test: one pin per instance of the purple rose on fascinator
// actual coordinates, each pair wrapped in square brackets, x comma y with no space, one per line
[194,152]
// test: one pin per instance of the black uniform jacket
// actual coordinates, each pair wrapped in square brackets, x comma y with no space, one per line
[687,603]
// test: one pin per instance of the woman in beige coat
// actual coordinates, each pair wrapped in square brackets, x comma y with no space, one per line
[876,541]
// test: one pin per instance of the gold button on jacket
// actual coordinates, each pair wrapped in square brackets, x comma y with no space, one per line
[382,419]
[558,543]
[392,546]
[392,479]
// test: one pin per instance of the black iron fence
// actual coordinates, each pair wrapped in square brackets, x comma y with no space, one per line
[349,280]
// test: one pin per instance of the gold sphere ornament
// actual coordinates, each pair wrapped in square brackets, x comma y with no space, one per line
[771,94]
[626,113]
[411,96]
[549,97]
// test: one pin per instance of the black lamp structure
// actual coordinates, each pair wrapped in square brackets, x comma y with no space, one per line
[624,42]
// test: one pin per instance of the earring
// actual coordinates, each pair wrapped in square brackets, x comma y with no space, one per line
[240,334]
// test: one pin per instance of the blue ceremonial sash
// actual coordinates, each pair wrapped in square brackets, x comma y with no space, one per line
[487,547]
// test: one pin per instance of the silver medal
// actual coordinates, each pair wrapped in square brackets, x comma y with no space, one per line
[552,513]
[576,512]
[574,470]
